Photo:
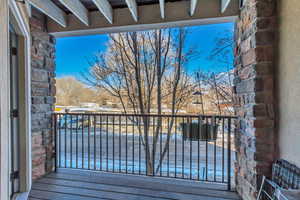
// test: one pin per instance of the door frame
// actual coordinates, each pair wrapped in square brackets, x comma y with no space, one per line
[4,99]
[15,13]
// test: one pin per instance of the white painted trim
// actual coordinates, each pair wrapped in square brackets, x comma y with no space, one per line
[193,7]
[225,4]
[19,17]
[133,8]
[51,10]
[162,8]
[105,8]
[175,13]
[18,11]
[139,27]
[4,100]
[78,9]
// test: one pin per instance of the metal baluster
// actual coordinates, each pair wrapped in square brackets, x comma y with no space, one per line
[126,143]
[223,151]
[229,154]
[175,147]
[198,144]
[169,132]
[214,124]
[153,148]
[100,146]
[59,140]
[113,131]
[206,151]
[160,146]
[71,141]
[82,140]
[89,142]
[191,146]
[55,141]
[120,144]
[147,144]
[139,124]
[133,145]
[184,127]
[95,144]
[107,143]
[64,124]
[65,142]
[76,141]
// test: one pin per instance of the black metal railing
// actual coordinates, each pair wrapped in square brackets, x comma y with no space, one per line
[175,146]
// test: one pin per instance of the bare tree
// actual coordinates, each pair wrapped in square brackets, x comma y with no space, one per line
[220,84]
[145,70]
[70,91]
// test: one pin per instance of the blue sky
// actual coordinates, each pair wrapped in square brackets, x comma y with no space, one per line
[73,53]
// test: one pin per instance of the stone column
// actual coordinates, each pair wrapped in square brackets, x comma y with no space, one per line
[254,94]
[43,96]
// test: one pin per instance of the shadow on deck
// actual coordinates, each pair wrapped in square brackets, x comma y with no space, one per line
[68,184]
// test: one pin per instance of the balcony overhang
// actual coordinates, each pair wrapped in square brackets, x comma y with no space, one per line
[81,21]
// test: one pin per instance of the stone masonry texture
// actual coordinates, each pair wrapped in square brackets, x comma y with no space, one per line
[43,96]
[254,94]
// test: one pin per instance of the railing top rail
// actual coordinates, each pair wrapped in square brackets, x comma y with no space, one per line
[147,115]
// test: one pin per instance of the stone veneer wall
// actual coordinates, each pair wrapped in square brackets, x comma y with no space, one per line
[43,96]
[254,94]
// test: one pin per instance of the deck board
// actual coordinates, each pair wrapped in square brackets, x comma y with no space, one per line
[86,185]
[46,195]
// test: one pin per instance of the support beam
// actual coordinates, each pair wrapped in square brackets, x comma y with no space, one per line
[175,15]
[225,4]
[105,8]
[193,6]
[78,9]
[133,9]
[162,8]
[51,10]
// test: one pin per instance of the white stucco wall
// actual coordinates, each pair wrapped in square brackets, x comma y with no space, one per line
[288,81]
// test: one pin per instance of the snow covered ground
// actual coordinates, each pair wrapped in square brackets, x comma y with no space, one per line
[117,152]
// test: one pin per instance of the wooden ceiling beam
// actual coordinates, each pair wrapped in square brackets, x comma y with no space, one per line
[224,5]
[193,7]
[78,9]
[175,15]
[162,8]
[51,10]
[105,8]
[133,9]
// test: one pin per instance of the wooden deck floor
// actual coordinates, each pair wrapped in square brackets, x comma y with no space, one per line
[69,184]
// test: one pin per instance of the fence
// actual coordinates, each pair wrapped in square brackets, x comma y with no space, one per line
[174,146]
